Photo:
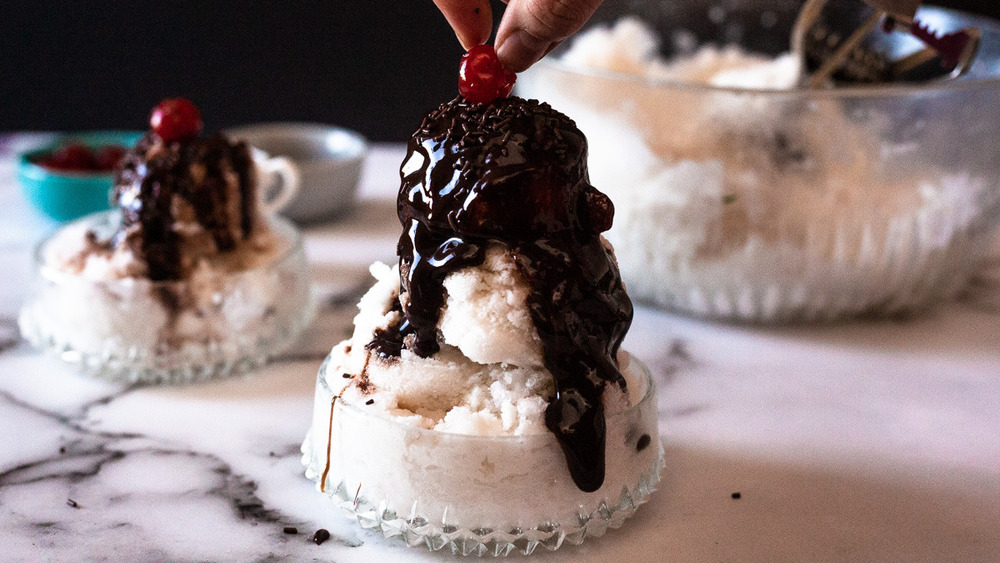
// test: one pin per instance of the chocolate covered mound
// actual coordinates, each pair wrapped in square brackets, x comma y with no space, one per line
[514,171]
[201,182]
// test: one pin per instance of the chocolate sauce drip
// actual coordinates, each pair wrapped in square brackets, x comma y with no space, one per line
[514,171]
[154,175]
[387,343]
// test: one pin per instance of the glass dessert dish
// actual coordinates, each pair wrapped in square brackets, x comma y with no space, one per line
[136,330]
[751,200]
[476,494]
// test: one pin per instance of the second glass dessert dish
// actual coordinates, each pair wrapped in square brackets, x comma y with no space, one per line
[192,277]
[743,194]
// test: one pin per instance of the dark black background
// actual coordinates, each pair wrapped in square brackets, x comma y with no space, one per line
[371,65]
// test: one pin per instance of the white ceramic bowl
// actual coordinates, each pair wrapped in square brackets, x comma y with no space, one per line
[328,159]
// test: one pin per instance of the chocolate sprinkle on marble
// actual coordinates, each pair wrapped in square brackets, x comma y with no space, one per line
[320,536]
[71,502]
[514,172]
[290,530]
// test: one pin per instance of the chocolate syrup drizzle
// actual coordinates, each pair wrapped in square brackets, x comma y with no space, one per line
[153,174]
[514,171]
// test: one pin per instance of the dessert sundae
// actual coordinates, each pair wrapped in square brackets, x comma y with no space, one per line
[189,277]
[483,402]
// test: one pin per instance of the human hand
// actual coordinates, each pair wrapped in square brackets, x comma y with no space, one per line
[528,30]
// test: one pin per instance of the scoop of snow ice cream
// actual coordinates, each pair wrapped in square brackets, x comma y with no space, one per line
[487,378]
[486,316]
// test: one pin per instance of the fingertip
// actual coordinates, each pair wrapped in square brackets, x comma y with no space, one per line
[472,20]
[471,38]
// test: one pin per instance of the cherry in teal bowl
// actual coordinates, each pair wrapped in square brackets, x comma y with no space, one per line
[65,195]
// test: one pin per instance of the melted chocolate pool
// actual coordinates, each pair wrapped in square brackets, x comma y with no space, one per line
[155,174]
[514,171]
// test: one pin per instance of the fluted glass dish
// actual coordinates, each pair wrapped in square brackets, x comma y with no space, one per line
[792,204]
[478,495]
[134,330]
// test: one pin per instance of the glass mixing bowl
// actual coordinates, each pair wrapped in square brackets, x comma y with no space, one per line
[771,205]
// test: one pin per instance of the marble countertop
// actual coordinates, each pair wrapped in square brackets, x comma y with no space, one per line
[864,440]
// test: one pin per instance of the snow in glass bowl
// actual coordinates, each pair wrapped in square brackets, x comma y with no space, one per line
[746,200]
[474,494]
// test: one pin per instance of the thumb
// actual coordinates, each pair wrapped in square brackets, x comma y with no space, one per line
[531,28]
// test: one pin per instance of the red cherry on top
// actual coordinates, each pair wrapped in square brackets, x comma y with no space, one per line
[481,77]
[175,119]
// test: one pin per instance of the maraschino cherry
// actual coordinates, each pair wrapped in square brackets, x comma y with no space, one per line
[176,119]
[76,157]
[70,158]
[481,77]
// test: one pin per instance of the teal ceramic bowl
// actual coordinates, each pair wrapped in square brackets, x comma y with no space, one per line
[66,195]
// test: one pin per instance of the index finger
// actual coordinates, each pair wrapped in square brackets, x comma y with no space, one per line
[472,20]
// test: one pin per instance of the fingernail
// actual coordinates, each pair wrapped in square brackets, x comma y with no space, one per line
[467,42]
[520,49]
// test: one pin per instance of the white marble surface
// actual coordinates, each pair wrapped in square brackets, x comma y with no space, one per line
[866,440]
